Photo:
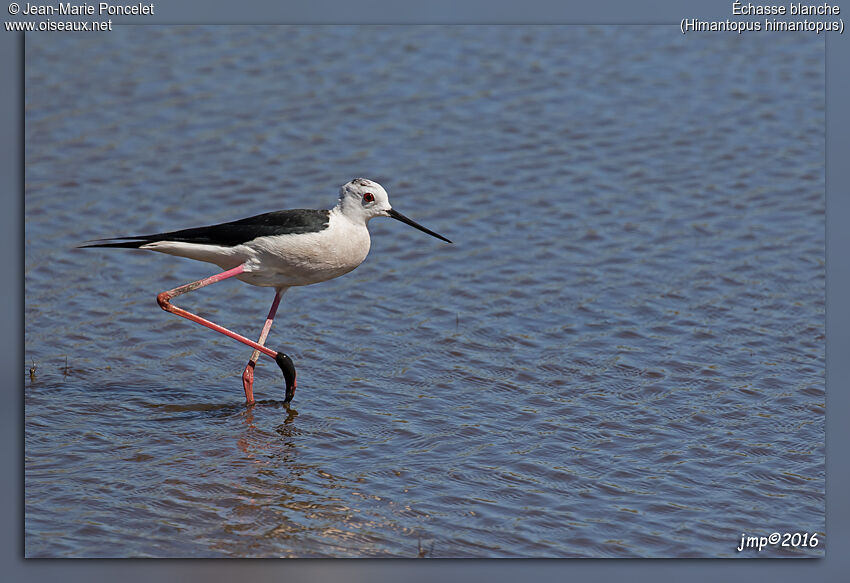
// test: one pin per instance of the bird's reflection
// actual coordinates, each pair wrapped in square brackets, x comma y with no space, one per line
[248,443]
[252,437]
[278,498]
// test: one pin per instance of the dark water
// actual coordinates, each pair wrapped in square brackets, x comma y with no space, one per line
[621,355]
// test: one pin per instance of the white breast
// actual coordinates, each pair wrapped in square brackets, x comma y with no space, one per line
[289,260]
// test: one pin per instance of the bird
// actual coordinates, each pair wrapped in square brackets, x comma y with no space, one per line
[279,249]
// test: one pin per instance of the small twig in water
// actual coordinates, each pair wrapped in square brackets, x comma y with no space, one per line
[423,554]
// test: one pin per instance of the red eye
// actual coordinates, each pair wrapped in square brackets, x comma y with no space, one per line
[369,197]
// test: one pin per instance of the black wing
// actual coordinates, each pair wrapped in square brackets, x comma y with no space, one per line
[289,222]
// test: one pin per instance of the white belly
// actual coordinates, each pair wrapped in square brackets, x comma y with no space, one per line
[308,258]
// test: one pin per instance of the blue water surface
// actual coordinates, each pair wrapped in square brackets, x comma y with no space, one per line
[622,355]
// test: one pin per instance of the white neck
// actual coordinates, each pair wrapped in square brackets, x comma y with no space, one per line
[352,211]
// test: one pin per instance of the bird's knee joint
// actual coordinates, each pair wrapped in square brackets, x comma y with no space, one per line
[248,374]
[164,301]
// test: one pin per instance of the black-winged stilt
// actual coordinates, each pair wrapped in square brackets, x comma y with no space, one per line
[279,249]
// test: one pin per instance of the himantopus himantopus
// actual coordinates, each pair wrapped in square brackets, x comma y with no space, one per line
[280,249]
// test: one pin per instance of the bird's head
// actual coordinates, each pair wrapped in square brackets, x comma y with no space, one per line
[362,200]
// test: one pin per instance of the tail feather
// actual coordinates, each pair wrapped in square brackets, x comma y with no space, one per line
[112,243]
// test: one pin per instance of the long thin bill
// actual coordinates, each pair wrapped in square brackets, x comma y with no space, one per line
[400,217]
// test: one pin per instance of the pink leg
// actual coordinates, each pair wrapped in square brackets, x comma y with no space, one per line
[248,373]
[164,300]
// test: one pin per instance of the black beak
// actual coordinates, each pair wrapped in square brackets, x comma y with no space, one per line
[400,217]
[288,370]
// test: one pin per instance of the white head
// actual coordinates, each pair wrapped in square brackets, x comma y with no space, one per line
[362,200]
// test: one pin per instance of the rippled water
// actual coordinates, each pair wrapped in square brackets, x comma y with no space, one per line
[621,355]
